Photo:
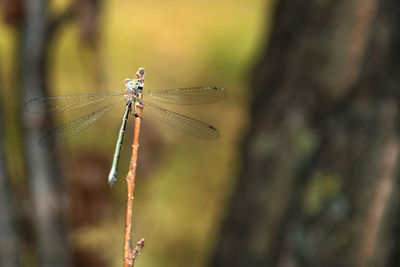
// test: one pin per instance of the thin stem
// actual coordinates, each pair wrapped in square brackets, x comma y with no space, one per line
[129,252]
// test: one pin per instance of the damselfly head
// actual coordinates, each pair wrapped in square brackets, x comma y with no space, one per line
[140,77]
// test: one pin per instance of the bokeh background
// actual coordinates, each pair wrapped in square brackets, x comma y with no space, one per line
[182,183]
[304,173]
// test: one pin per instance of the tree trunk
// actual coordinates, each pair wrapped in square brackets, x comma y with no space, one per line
[45,182]
[318,185]
[8,234]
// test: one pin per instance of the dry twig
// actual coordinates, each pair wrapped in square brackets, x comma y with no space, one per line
[129,253]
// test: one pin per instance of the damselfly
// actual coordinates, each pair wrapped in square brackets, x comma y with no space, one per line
[133,96]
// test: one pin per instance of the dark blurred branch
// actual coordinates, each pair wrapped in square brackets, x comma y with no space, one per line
[56,22]
[38,29]
[8,236]
[88,18]
[38,33]
[13,12]
[86,11]
[45,181]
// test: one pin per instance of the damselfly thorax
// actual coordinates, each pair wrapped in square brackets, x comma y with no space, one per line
[133,91]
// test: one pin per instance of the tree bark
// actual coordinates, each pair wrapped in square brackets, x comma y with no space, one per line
[318,185]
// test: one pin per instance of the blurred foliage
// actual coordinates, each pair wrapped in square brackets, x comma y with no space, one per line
[182,183]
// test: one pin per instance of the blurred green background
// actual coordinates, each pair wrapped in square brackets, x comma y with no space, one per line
[182,183]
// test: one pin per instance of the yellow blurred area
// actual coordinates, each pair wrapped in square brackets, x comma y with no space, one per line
[180,202]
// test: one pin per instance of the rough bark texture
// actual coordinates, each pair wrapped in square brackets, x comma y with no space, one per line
[318,185]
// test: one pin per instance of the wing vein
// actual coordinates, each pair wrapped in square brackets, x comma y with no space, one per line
[183,123]
[67,103]
[187,96]
[74,127]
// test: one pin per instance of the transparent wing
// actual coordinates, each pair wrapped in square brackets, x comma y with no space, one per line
[74,127]
[187,96]
[183,123]
[66,103]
